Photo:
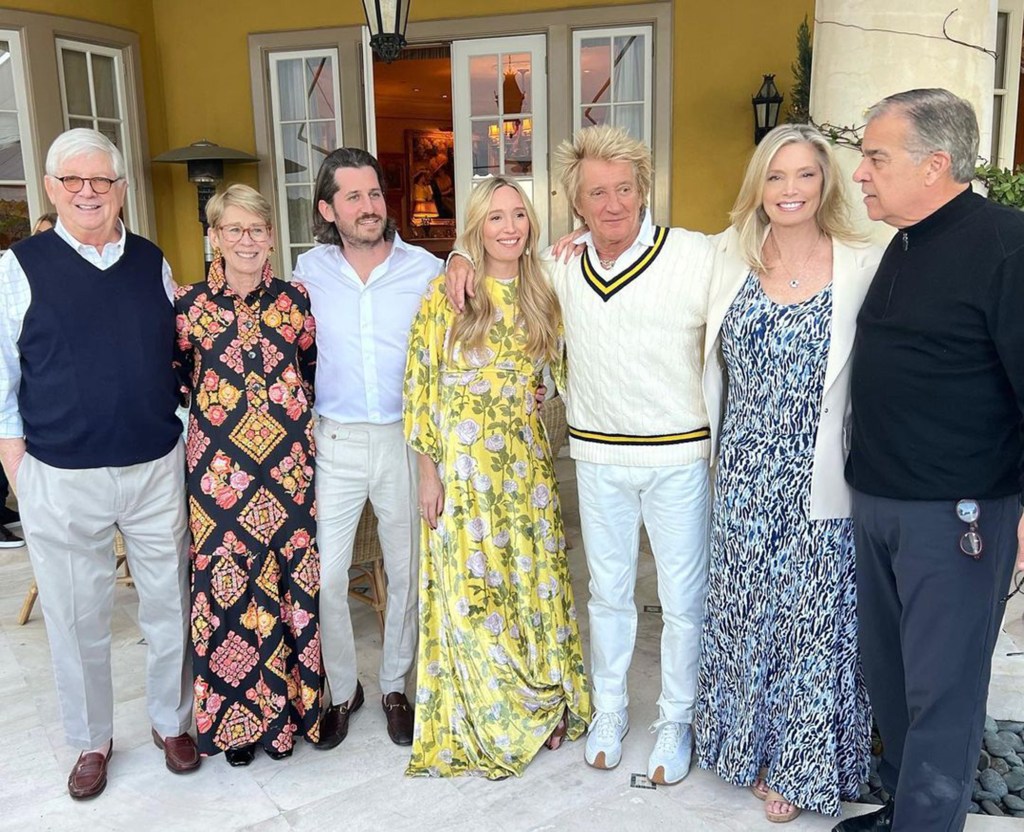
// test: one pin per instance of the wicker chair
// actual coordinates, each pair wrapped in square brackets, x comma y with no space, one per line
[367,582]
[124,578]
[552,414]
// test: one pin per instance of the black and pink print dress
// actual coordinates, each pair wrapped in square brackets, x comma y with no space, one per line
[248,365]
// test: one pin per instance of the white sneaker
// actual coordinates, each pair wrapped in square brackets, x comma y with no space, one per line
[670,760]
[604,740]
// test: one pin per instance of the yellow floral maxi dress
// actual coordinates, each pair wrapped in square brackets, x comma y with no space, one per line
[500,657]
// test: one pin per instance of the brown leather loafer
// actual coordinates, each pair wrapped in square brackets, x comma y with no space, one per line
[399,716]
[334,722]
[89,776]
[180,753]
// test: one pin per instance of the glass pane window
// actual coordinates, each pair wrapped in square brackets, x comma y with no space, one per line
[15,147]
[501,88]
[306,116]
[93,96]
[612,79]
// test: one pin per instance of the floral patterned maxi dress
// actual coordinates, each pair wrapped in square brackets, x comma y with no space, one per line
[500,656]
[248,364]
[780,685]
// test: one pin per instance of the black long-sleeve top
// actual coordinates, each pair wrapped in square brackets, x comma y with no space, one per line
[937,384]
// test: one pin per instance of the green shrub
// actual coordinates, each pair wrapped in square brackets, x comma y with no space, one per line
[1004,186]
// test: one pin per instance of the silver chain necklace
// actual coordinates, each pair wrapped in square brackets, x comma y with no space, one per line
[794,282]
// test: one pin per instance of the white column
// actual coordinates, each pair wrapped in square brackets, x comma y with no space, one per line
[868,49]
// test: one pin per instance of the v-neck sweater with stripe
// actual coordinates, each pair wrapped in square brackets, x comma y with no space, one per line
[634,340]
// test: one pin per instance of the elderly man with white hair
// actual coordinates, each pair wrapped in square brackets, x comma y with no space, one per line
[90,441]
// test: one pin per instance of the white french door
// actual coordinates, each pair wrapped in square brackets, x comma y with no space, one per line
[499,117]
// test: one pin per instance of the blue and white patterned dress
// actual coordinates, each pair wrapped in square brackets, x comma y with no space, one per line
[780,683]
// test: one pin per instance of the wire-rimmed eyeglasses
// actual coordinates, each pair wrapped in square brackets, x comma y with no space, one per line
[99,184]
[1018,587]
[971,543]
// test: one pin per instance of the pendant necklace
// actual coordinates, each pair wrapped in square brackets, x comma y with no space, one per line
[606,264]
[794,282]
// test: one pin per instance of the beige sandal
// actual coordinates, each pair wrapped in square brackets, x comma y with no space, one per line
[780,817]
[758,787]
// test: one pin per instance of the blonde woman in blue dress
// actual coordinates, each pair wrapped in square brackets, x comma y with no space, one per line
[500,664]
[782,705]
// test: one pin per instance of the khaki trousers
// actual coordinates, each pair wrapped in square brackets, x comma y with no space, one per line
[69,517]
[356,462]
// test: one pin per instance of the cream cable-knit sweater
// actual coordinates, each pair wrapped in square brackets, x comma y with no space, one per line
[635,349]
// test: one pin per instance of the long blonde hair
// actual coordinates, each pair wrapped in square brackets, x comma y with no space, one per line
[538,308]
[748,215]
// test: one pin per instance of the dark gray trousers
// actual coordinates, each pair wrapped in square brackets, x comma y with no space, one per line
[928,617]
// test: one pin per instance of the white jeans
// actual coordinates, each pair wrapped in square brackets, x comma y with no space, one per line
[356,462]
[68,516]
[672,503]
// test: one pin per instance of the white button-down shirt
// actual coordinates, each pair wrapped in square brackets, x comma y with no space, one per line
[15,299]
[644,240]
[362,329]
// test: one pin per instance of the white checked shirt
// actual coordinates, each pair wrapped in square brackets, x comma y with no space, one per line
[362,329]
[15,299]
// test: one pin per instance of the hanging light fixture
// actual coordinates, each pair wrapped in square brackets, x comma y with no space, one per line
[766,103]
[387,20]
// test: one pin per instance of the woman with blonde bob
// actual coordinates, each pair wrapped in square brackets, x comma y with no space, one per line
[246,353]
[782,705]
[500,663]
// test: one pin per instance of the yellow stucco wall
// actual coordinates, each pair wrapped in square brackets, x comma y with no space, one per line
[195,61]
[136,16]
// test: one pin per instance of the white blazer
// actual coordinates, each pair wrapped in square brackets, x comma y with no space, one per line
[853,266]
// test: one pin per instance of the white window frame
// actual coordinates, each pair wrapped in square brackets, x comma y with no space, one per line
[31,182]
[578,36]
[284,234]
[131,213]
[462,118]
[1005,97]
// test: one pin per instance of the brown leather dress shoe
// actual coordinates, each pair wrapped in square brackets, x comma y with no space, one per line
[180,753]
[399,716]
[89,776]
[334,722]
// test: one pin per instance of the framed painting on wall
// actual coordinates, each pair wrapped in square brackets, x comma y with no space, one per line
[431,183]
[393,167]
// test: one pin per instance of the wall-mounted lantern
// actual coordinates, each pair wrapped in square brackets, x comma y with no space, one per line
[767,104]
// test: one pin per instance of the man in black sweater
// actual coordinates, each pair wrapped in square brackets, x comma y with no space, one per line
[935,461]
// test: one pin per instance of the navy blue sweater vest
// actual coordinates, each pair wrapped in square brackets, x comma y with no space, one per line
[97,385]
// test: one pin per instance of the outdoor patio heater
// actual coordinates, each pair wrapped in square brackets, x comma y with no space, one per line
[205,162]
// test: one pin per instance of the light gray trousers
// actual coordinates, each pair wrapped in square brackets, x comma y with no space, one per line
[69,517]
[356,462]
